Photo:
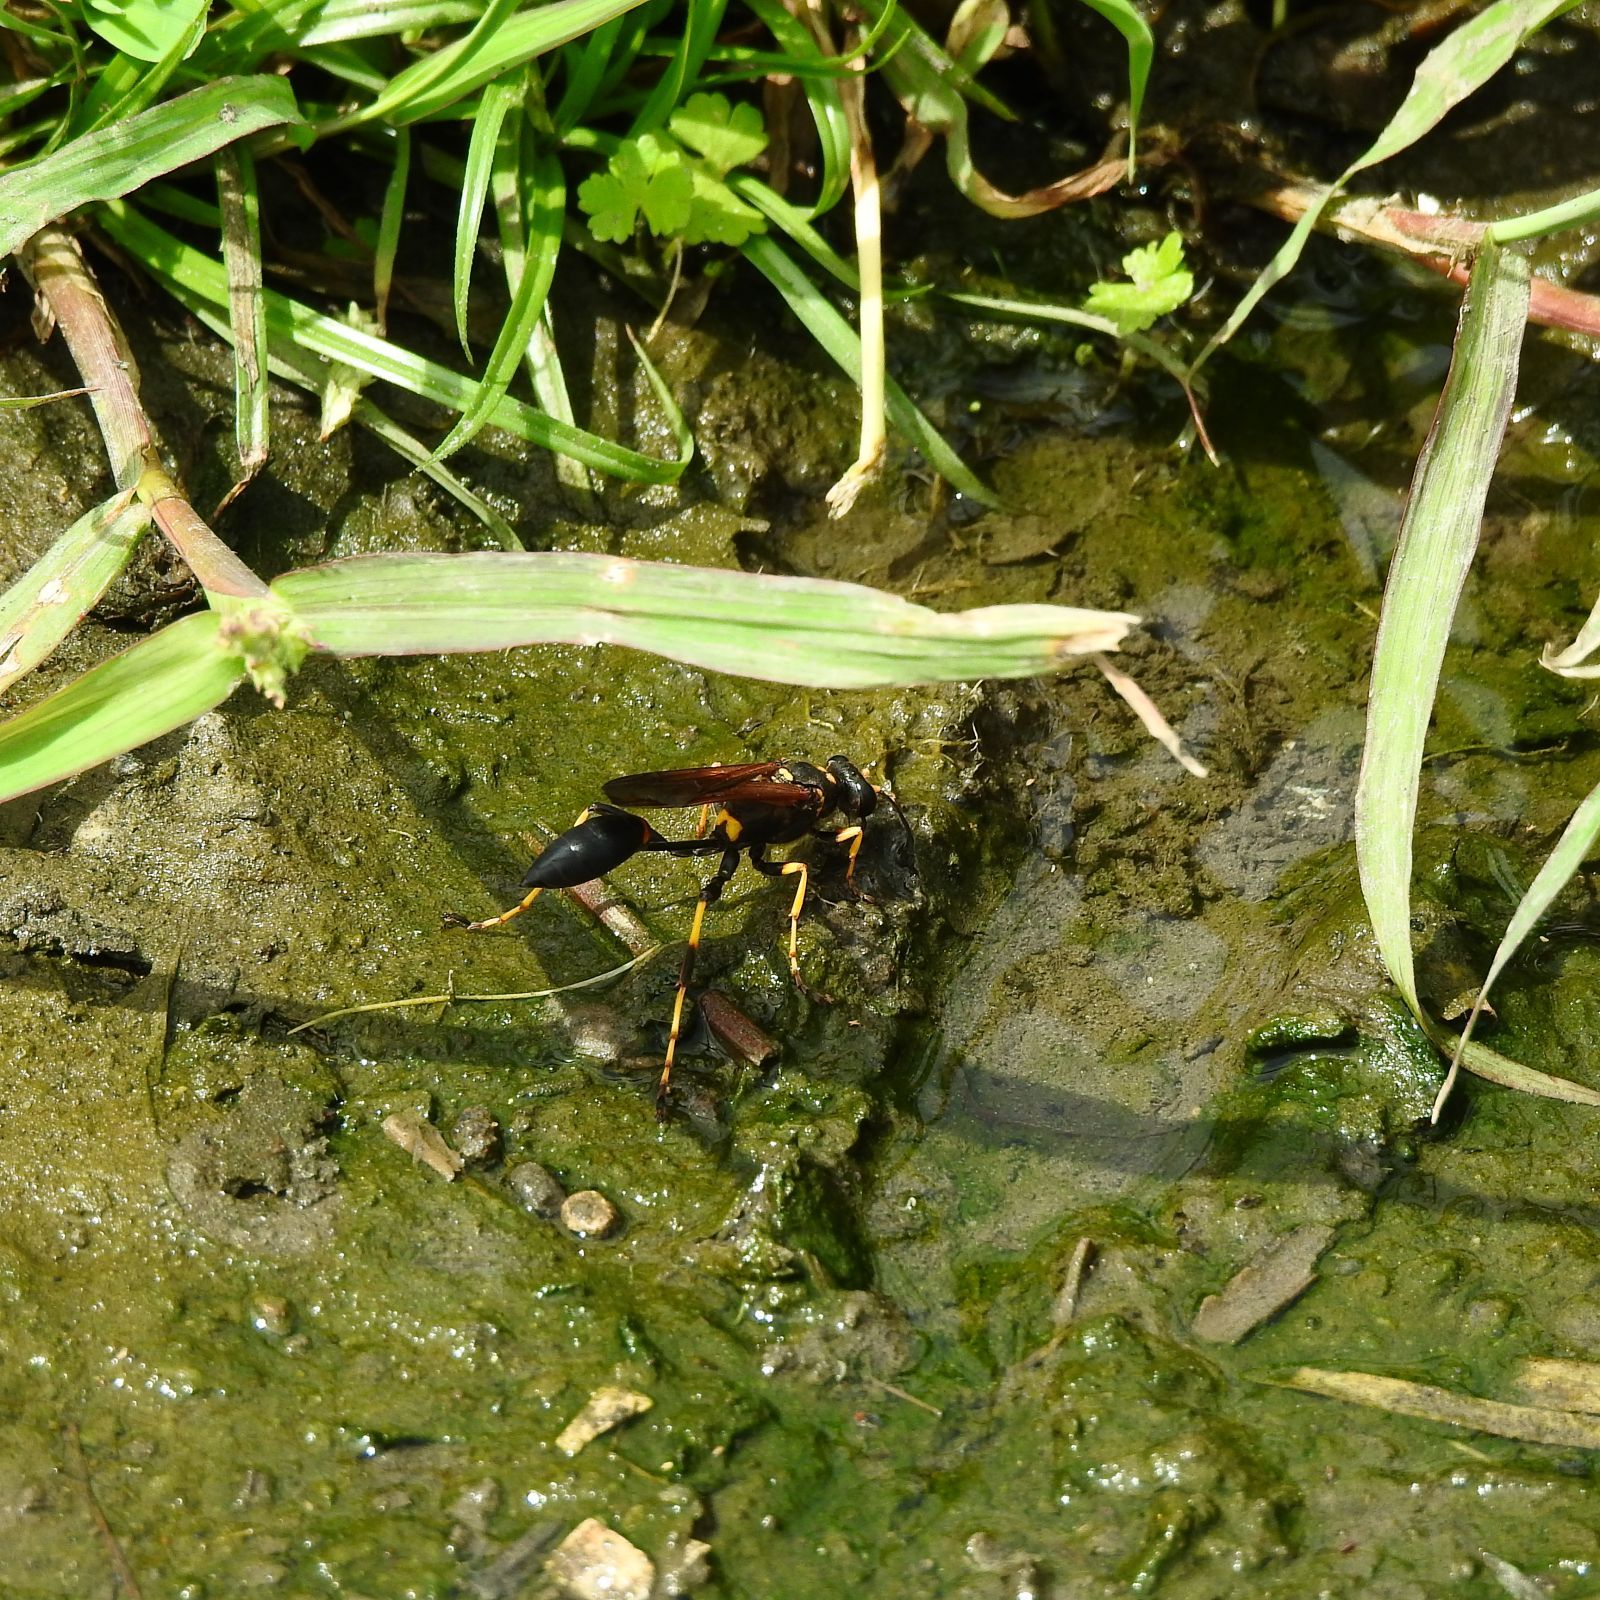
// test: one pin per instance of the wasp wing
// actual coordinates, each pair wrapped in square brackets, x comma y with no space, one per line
[695,786]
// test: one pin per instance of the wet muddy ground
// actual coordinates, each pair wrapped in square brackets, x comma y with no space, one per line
[920,1306]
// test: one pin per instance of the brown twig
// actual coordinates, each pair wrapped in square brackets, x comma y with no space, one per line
[114,1550]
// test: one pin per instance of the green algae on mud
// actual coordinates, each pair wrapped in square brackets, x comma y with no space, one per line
[1128,1008]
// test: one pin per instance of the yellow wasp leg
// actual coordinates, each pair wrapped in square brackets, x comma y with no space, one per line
[454,919]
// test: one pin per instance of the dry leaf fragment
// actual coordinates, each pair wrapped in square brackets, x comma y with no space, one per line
[1537,1424]
[1565,1385]
[1277,1276]
[422,1142]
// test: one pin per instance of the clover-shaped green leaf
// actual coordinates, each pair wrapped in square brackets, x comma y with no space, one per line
[1160,283]
[719,216]
[642,179]
[722,134]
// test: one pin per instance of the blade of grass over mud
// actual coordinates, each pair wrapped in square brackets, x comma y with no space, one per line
[811,631]
[247,318]
[1572,849]
[1438,535]
[160,684]
[1538,1424]
[498,99]
[544,189]
[838,338]
[48,601]
[116,160]
[1451,71]
[308,373]
[199,283]
[1492,1067]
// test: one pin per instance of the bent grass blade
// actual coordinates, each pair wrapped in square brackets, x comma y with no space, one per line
[1572,849]
[810,631]
[1451,71]
[1438,537]
[115,161]
[49,600]
[160,684]
[814,632]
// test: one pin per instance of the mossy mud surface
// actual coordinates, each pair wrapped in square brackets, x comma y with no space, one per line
[1118,1004]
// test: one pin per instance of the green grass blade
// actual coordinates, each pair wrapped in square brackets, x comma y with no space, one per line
[1125,18]
[46,38]
[240,40]
[586,65]
[449,75]
[160,684]
[437,79]
[839,339]
[137,82]
[822,97]
[247,318]
[1550,219]
[390,217]
[497,100]
[547,205]
[116,160]
[342,21]
[1438,535]
[1451,71]
[49,600]
[698,34]
[1572,849]
[199,283]
[789,630]
[795,222]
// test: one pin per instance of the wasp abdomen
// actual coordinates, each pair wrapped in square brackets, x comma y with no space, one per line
[589,849]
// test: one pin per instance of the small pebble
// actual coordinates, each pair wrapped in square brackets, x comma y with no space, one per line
[589,1214]
[272,1314]
[604,1410]
[476,1136]
[537,1188]
[595,1562]
[685,1568]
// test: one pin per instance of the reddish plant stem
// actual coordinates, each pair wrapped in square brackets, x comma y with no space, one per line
[59,274]
[1443,244]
